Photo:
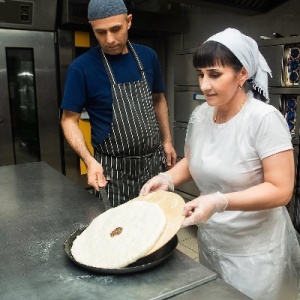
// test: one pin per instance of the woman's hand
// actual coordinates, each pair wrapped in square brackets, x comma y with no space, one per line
[202,208]
[160,182]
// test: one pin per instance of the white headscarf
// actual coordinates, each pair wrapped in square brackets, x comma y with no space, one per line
[247,52]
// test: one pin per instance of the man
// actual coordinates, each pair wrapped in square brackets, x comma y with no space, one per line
[120,85]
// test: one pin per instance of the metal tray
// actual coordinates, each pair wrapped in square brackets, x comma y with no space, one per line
[142,264]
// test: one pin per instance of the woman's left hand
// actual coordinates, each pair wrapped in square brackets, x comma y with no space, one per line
[202,208]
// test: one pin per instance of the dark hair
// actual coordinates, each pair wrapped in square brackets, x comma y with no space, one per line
[212,53]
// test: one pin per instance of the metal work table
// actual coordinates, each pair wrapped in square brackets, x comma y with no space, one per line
[40,208]
[213,290]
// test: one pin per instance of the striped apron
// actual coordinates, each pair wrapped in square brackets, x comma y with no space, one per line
[132,152]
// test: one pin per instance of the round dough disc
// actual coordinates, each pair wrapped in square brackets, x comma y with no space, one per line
[172,205]
[120,236]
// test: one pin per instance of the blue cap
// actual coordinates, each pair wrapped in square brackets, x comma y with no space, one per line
[101,9]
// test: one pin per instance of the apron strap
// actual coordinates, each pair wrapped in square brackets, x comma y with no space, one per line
[110,72]
[108,68]
[141,68]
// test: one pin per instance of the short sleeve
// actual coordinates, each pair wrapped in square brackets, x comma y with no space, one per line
[74,92]
[158,83]
[200,119]
[272,135]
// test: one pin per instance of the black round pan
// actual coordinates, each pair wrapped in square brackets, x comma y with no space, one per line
[142,264]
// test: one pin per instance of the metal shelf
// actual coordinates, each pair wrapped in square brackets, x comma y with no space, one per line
[285,90]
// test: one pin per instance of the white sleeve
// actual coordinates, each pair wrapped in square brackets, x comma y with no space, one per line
[272,135]
[201,116]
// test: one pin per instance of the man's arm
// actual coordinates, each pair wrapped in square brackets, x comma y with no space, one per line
[74,136]
[161,110]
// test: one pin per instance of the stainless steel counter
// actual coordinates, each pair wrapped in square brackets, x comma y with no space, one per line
[213,290]
[39,209]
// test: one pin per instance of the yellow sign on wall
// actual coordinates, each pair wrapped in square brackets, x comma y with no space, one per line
[82,39]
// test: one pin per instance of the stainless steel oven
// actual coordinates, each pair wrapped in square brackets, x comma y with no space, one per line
[283,57]
[287,100]
[29,128]
[29,115]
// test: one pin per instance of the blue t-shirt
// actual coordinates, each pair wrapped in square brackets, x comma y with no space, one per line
[87,84]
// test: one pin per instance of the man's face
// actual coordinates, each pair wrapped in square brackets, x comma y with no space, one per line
[112,33]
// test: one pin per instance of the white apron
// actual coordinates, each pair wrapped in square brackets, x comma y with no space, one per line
[257,252]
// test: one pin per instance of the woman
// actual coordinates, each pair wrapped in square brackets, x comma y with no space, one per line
[238,151]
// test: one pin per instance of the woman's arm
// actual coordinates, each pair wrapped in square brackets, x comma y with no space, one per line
[276,190]
[180,173]
[177,175]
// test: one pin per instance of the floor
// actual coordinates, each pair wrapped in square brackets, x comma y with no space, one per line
[188,242]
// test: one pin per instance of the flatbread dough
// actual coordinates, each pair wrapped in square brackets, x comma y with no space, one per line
[172,205]
[120,236]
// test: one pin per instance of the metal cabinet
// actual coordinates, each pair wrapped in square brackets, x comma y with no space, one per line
[187,97]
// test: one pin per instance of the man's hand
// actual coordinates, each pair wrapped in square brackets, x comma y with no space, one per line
[95,175]
[170,154]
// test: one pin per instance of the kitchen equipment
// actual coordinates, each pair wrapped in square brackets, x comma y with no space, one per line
[144,263]
[261,6]
[283,57]
[29,123]
[187,96]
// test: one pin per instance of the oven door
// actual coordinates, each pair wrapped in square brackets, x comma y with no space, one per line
[29,115]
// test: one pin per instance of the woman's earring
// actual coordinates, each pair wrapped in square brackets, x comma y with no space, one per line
[240,87]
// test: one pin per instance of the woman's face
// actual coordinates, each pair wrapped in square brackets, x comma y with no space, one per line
[220,84]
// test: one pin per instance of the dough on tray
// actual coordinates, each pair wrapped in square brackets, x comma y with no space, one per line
[120,236]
